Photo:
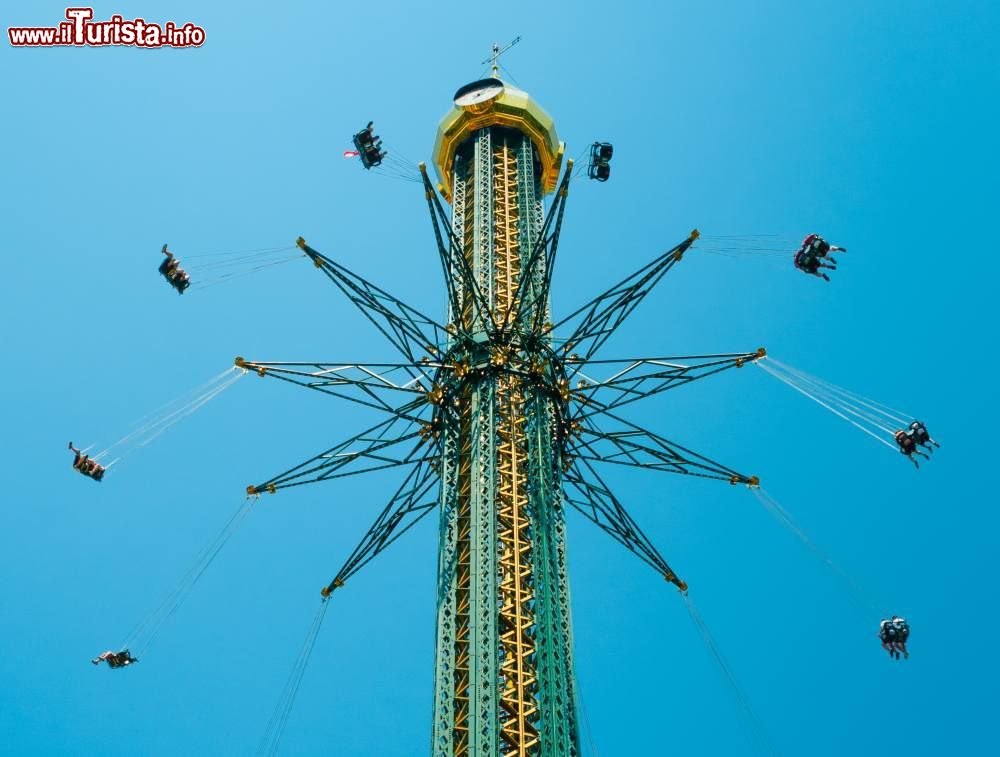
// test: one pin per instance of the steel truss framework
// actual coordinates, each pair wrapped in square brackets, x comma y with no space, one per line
[502,425]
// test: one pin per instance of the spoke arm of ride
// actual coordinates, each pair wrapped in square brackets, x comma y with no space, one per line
[381,446]
[595,321]
[587,493]
[446,265]
[409,330]
[454,261]
[371,384]
[635,379]
[632,445]
[412,501]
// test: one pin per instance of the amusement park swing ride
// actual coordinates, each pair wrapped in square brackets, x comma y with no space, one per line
[499,417]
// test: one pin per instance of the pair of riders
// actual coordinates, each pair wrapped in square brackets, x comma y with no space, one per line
[171,269]
[912,439]
[811,254]
[87,465]
[115,659]
[600,157]
[369,144]
[893,633]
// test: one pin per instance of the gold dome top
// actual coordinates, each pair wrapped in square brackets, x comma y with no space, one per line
[492,102]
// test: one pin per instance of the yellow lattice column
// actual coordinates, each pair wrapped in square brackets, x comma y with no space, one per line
[519,679]
[516,631]
[507,240]
[463,584]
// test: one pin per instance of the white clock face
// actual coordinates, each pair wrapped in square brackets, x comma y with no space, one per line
[478,92]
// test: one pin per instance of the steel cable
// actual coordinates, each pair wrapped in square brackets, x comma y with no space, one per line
[757,734]
[279,718]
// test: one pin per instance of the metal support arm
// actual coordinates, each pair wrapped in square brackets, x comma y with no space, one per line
[404,510]
[638,378]
[596,321]
[635,446]
[375,448]
[370,384]
[409,330]
[595,501]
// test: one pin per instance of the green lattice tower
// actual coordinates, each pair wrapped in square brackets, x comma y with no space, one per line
[504,666]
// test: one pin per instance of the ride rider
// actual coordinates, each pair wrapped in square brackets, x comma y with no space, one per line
[78,457]
[821,247]
[808,261]
[908,446]
[169,264]
[920,435]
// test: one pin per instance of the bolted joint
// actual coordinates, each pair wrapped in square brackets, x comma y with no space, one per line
[326,591]
[239,362]
[562,386]
[761,353]
[499,357]
[429,430]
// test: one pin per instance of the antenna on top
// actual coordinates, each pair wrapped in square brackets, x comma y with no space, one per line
[497,52]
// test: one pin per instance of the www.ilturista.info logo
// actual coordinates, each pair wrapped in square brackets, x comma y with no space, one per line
[80,30]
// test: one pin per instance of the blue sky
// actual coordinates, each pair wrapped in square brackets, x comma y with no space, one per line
[873,123]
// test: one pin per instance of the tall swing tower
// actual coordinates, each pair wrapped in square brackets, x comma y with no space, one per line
[501,420]
[504,673]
